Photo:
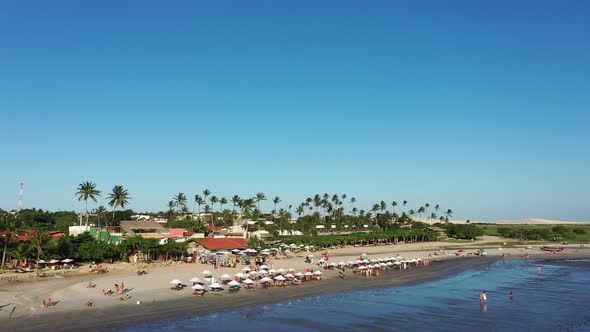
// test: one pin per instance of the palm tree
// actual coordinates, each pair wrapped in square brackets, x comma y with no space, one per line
[259,197]
[199,201]
[118,197]
[383,206]
[436,207]
[21,251]
[85,191]
[247,205]
[9,226]
[426,207]
[404,205]
[393,205]
[179,201]
[449,214]
[37,242]
[236,202]
[222,202]
[276,201]
[352,202]
[206,193]
[300,210]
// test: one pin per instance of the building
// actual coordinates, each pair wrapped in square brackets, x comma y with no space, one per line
[136,227]
[223,244]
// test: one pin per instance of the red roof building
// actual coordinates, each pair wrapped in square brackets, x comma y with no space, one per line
[222,244]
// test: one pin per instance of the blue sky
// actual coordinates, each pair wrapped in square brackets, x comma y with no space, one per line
[481,107]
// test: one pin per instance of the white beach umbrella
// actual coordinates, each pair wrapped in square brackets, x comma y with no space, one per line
[53,261]
[67,260]
[362,267]
[197,286]
[215,285]
[341,263]
[318,273]
[272,271]
[308,273]
[252,273]
[350,263]
[281,270]
[225,277]
[265,279]
[175,282]
[369,266]
[289,275]
[397,263]
[41,262]
[248,281]
[280,278]
[291,269]
[389,264]
[240,275]
[246,269]
[233,283]
[262,272]
[299,274]
[264,267]
[206,272]
[195,279]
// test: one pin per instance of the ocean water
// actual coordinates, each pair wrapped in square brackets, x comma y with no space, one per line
[555,300]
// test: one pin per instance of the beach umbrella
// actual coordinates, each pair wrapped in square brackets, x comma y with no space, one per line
[225,277]
[389,264]
[67,260]
[222,253]
[262,272]
[350,263]
[341,263]
[53,261]
[299,274]
[252,273]
[240,275]
[397,263]
[197,286]
[271,271]
[369,266]
[281,270]
[206,272]
[215,285]
[265,279]
[264,267]
[248,281]
[175,282]
[195,279]
[291,269]
[41,262]
[289,275]
[246,269]
[362,267]
[280,278]
[308,273]
[318,273]
[233,283]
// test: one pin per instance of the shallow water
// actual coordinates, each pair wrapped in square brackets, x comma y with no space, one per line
[555,300]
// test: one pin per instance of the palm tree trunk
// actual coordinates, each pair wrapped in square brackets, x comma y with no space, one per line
[4,253]
[37,263]
[86,226]
[113,218]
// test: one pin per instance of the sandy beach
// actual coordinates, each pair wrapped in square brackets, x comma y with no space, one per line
[21,301]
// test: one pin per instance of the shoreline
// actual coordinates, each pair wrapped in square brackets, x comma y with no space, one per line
[110,313]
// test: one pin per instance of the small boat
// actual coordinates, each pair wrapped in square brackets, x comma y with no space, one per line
[552,249]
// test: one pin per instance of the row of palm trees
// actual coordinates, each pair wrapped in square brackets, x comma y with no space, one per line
[329,205]
[118,197]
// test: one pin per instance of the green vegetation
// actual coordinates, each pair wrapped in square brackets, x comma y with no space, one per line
[465,232]
[560,233]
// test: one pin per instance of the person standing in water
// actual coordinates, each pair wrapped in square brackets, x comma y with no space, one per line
[483,298]
[510,295]
[539,269]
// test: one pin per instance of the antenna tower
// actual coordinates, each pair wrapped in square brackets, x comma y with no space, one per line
[20,196]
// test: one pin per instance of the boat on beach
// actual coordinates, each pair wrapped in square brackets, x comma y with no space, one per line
[552,249]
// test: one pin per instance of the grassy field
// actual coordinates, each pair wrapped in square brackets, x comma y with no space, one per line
[582,234]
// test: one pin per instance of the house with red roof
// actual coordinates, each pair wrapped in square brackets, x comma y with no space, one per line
[219,244]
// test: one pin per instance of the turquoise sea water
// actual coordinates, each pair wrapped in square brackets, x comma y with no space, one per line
[555,300]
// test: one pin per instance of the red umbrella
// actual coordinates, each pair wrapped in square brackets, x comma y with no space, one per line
[461,250]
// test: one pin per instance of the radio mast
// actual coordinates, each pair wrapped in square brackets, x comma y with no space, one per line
[20,196]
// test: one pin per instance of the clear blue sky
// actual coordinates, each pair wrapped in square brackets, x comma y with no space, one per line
[479,106]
